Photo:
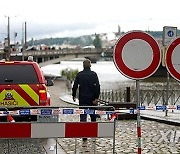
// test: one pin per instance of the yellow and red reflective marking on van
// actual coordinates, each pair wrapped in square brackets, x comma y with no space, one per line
[19,95]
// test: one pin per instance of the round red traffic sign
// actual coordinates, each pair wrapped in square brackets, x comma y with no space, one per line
[173,58]
[137,55]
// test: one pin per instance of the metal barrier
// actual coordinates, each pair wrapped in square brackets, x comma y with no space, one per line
[55,129]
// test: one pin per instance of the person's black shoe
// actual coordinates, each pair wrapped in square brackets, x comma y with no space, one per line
[84,143]
[84,139]
[98,116]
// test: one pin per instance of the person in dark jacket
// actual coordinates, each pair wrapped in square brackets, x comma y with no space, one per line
[89,89]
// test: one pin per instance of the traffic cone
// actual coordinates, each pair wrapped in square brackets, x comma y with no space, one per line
[114,115]
[10,118]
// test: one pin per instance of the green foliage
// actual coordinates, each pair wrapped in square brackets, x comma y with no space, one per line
[81,41]
[70,74]
[156,34]
[97,42]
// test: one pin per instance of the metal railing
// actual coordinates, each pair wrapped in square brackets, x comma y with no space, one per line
[147,97]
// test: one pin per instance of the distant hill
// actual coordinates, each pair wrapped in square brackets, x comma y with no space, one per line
[159,34]
[81,41]
[156,34]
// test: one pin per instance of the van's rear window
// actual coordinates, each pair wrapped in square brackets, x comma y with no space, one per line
[17,74]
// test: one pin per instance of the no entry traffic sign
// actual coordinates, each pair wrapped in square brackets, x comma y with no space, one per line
[137,55]
[173,58]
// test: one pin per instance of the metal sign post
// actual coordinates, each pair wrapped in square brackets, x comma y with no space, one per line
[167,94]
[137,56]
[169,33]
[138,117]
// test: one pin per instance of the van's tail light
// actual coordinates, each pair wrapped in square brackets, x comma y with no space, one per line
[43,95]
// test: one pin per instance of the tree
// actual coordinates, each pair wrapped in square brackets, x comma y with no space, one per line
[97,42]
[70,75]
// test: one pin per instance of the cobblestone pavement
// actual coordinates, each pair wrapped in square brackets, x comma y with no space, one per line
[21,146]
[156,138]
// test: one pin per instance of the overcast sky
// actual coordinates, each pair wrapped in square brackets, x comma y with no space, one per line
[61,18]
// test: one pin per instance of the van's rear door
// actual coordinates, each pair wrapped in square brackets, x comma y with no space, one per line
[19,85]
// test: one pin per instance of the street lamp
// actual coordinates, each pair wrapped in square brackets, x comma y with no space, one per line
[7,47]
[8,51]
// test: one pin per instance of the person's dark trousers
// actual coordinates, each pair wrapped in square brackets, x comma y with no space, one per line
[83,118]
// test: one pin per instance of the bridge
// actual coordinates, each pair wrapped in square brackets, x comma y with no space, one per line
[46,57]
